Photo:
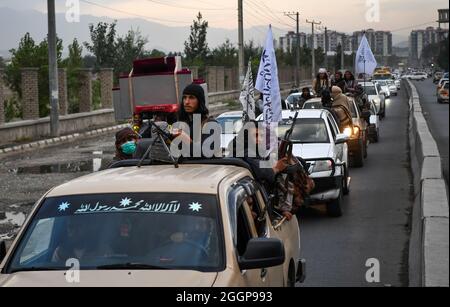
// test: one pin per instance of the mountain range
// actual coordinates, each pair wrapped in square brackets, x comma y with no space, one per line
[15,23]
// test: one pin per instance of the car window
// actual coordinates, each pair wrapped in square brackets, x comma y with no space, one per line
[316,105]
[169,230]
[333,127]
[245,230]
[371,90]
[306,130]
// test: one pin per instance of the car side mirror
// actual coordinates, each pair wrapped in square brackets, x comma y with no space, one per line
[262,253]
[341,139]
[2,250]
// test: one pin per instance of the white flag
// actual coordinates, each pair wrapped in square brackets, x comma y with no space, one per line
[365,60]
[247,97]
[267,82]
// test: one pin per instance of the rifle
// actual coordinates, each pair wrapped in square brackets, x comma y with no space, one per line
[286,145]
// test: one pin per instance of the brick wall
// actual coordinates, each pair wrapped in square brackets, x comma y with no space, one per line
[2,98]
[106,84]
[30,93]
[85,92]
[62,85]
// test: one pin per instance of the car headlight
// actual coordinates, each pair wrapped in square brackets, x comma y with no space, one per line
[356,131]
[322,166]
[348,132]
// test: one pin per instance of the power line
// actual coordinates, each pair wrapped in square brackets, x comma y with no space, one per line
[412,27]
[259,10]
[190,8]
[150,18]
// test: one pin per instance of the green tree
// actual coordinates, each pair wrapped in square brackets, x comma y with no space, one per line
[103,44]
[154,53]
[225,55]
[72,64]
[443,58]
[196,47]
[2,63]
[129,48]
[30,54]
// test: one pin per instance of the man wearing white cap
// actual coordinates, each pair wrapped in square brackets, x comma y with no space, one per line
[321,83]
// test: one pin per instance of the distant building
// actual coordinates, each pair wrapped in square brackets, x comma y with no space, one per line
[379,41]
[289,41]
[420,39]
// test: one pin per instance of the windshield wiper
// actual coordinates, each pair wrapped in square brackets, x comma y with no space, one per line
[130,266]
[39,269]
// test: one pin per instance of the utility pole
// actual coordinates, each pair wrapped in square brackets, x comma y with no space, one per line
[297,45]
[313,49]
[343,52]
[53,69]
[326,47]
[241,41]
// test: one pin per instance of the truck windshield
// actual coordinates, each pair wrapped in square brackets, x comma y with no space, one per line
[306,131]
[164,231]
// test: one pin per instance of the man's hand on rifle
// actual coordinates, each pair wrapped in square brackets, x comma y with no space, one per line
[281,165]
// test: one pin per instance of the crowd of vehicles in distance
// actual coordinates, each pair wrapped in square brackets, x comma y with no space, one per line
[215,229]
[318,141]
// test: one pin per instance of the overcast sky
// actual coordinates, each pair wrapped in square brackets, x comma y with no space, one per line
[400,16]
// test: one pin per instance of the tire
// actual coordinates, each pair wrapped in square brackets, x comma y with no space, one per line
[365,147]
[345,186]
[334,207]
[358,157]
[291,276]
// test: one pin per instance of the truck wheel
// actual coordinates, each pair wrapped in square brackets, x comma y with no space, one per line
[365,147]
[358,157]
[334,207]
[346,187]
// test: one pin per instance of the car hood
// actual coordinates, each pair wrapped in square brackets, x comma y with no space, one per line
[111,279]
[312,151]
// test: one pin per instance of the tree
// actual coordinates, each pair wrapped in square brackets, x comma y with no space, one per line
[129,48]
[196,47]
[443,60]
[72,64]
[224,55]
[155,53]
[103,44]
[2,63]
[29,54]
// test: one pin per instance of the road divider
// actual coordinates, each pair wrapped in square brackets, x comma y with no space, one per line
[429,245]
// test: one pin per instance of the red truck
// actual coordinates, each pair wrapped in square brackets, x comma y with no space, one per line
[153,87]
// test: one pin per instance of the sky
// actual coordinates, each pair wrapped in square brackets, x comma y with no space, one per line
[399,16]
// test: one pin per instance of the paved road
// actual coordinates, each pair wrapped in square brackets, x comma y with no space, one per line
[376,215]
[374,224]
[437,117]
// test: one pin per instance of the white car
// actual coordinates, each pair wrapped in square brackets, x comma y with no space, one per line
[231,123]
[294,101]
[374,93]
[393,89]
[317,140]
[418,76]
[374,127]
[398,83]
[384,87]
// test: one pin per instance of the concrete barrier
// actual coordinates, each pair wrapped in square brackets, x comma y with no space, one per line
[429,244]
[40,128]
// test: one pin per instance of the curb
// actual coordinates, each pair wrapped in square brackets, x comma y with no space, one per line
[59,140]
[429,244]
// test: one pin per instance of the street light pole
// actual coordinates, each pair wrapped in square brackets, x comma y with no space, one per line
[313,49]
[241,41]
[297,45]
[53,70]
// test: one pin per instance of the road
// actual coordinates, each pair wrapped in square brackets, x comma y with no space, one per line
[375,224]
[376,216]
[437,117]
